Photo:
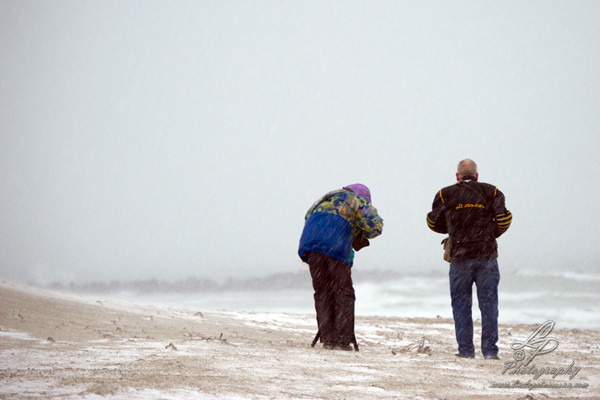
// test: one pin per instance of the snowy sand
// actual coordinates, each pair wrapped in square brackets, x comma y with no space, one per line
[55,345]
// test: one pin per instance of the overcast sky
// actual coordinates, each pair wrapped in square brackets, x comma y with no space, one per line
[172,139]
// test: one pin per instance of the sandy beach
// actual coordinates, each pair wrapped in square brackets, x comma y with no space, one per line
[56,345]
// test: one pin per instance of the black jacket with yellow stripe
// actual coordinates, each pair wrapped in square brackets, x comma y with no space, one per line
[474,215]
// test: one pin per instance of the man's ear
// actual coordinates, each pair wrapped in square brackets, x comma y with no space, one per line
[477,176]
[457,178]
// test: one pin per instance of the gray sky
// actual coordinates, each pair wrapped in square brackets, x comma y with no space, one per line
[188,138]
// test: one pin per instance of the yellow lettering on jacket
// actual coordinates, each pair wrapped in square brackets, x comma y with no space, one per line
[469,206]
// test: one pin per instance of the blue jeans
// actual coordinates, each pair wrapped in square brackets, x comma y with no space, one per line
[486,276]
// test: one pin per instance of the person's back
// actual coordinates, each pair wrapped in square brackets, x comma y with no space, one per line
[474,215]
[334,220]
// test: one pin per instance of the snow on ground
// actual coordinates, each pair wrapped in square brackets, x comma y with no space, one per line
[55,345]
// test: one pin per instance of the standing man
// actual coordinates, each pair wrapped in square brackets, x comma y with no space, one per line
[337,223]
[474,215]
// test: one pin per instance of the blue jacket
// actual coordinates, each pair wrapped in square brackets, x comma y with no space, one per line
[334,220]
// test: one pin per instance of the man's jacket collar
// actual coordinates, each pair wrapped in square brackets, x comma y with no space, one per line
[468,178]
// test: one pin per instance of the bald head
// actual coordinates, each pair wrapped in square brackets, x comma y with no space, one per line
[466,167]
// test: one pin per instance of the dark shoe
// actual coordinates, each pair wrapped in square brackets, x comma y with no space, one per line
[491,357]
[328,346]
[345,347]
[463,356]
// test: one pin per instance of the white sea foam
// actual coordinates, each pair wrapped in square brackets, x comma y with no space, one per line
[569,298]
[567,275]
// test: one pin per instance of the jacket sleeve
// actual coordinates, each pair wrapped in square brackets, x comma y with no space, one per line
[436,220]
[502,216]
[369,220]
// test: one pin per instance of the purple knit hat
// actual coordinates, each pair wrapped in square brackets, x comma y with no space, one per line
[360,190]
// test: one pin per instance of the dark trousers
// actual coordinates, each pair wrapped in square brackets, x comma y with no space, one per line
[334,298]
[486,276]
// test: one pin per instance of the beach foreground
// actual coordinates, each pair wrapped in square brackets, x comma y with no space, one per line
[56,345]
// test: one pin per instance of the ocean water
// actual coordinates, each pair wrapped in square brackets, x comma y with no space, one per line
[571,299]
